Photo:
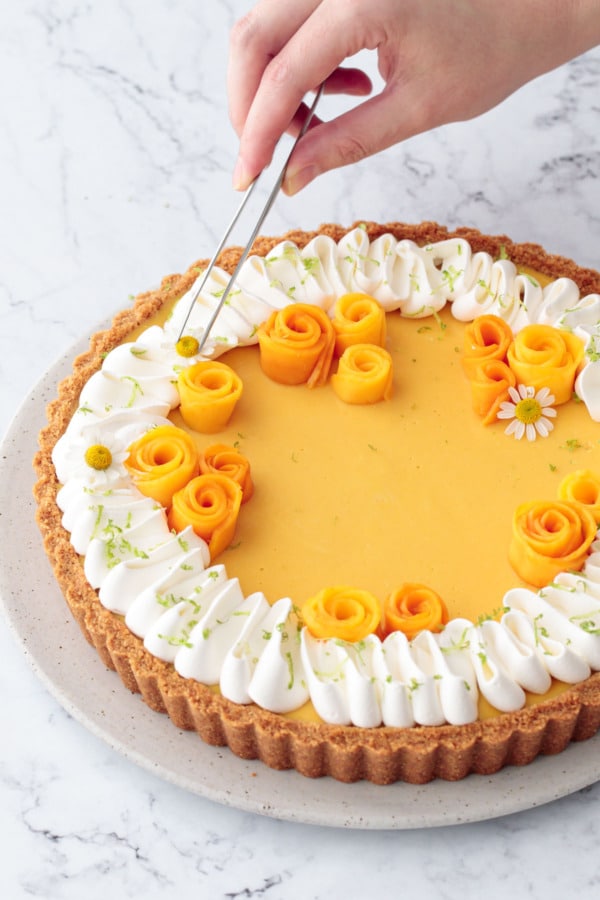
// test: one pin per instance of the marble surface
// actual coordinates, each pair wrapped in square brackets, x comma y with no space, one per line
[115,161]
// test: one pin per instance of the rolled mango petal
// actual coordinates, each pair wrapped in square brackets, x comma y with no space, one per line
[296,345]
[549,537]
[485,338]
[543,356]
[582,487]
[209,391]
[162,461]
[211,505]
[346,613]
[358,319]
[490,381]
[228,461]
[364,374]
[412,608]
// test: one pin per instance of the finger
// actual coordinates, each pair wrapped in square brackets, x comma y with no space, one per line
[365,130]
[255,39]
[309,58]
[350,81]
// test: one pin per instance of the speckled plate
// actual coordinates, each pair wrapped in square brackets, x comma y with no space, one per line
[75,675]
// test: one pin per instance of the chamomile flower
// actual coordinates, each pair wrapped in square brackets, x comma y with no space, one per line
[188,345]
[97,457]
[530,412]
[184,351]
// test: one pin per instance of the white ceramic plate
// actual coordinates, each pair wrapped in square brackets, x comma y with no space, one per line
[77,678]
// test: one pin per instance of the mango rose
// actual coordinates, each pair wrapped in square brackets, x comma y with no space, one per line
[209,391]
[346,613]
[549,537]
[486,337]
[364,374]
[358,319]
[490,381]
[230,462]
[412,608]
[161,461]
[296,345]
[211,505]
[582,487]
[542,356]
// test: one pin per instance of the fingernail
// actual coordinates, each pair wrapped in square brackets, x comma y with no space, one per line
[241,178]
[295,181]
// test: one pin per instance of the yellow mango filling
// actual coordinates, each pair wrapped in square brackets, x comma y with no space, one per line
[413,490]
[410,490]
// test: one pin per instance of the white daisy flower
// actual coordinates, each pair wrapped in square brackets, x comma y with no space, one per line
[530,412]
[185,351]
[97,457]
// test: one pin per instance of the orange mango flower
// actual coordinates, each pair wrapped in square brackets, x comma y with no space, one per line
[346,613]
[209,391]
[296,345]
[228,461]
[543,356]
[412,608]
[161,461]
[364,374]
[490,381]
[582,487]
[358,319]
[486,337]
[211,505]
[549,537]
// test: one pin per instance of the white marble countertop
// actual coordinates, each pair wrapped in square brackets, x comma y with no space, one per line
[115,161]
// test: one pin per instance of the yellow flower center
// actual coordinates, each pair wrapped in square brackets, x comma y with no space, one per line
[187,346]
[98,457]
[528,411]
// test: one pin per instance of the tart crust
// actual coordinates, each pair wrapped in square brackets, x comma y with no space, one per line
[381,755]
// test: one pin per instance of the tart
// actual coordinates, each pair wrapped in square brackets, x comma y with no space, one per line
[248,672]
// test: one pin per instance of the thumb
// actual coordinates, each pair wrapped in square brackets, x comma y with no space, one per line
[374,125]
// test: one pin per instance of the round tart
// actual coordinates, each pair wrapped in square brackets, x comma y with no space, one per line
[369,747]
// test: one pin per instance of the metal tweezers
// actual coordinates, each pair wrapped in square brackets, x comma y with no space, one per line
[252,238]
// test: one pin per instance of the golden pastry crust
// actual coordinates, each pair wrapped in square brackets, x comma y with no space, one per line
[382,755]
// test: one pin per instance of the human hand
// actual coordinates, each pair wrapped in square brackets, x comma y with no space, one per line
[441,61]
